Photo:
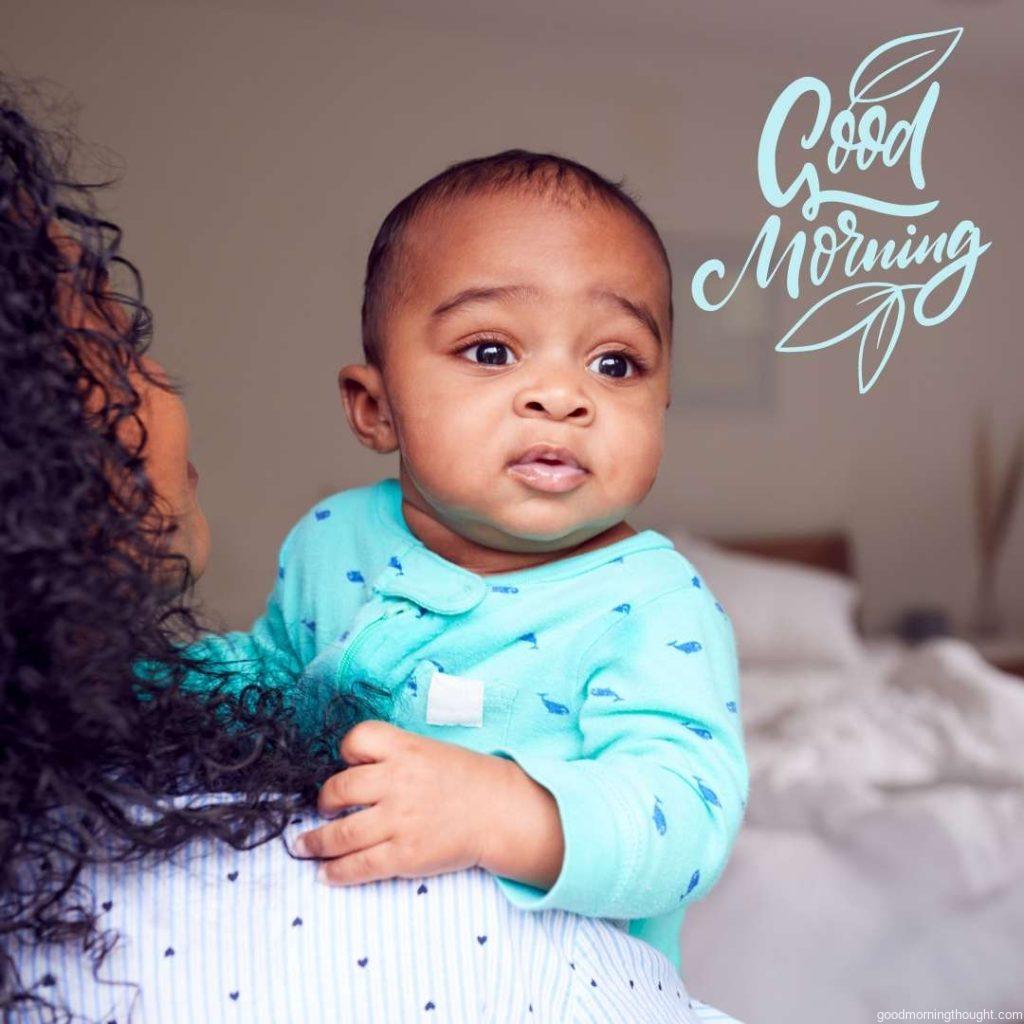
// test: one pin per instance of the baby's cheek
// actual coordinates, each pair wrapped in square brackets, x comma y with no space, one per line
[441,449]
[427,458]
[635,474]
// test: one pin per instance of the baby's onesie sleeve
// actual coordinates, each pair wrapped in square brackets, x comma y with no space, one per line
[273,651]
[651,808]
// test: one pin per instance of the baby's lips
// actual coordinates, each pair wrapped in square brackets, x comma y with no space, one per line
[545,476]
[545,453]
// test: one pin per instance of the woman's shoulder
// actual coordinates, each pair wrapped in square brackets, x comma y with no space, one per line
[253,933]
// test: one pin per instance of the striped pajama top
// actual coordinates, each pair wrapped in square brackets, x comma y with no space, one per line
[220,936]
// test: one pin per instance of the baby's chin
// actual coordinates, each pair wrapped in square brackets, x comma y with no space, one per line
[540,538]
[539,525]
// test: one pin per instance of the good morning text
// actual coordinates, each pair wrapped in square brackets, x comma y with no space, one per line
[862,133]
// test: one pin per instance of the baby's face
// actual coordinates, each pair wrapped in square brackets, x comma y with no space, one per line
[527,368]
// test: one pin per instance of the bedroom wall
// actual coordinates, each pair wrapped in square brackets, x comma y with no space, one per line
[261,146]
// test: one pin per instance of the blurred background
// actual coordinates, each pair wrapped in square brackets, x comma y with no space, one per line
[259,145]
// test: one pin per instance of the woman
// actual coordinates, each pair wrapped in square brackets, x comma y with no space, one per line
[144,876]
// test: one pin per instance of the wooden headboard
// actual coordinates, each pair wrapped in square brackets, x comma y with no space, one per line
[830,550]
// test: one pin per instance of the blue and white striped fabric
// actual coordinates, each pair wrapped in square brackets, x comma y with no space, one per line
[219,936]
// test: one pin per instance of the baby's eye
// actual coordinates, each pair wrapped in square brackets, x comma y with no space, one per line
[488,353]
[614,364]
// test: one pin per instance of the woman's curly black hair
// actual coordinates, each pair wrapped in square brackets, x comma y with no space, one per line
[87,740]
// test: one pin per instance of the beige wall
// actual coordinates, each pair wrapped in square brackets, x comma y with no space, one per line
[261,148]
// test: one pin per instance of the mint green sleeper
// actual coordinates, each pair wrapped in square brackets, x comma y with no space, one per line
[609,677]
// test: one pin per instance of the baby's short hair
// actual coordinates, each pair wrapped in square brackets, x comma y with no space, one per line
[544,174]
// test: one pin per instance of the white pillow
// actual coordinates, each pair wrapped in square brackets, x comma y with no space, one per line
[782,613]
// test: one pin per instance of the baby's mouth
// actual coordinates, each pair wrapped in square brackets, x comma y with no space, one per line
[550,468]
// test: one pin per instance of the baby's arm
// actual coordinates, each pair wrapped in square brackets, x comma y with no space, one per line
[428,806]
[650,811]
[270,653]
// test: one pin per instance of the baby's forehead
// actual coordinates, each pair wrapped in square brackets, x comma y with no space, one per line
[540,212]
[510,232]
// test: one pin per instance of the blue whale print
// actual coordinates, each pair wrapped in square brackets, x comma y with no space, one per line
[659,818]
[604,691]
[719,607]
[707,793]
[505,590]
[553,706]
[310,624]
[528,638]
[322,514]
[698,730]
[624,608]
[694,882]
[354,576]
[730,705]
[686,646]
[696,582]
[280,572]
[394,563]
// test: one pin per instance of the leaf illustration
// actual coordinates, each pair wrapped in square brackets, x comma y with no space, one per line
[911,52]
[895,300]
[788,343]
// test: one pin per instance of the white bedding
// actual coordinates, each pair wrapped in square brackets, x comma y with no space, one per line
[881,861]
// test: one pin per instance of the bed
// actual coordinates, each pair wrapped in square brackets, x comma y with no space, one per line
[880,864]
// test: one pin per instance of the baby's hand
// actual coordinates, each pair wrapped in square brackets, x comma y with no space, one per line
[429,807]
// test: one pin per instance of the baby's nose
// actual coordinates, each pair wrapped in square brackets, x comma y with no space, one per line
[557,402]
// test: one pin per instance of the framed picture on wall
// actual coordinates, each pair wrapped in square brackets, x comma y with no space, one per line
[724,359]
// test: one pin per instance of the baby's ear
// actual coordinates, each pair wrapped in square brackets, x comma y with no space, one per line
[365,402]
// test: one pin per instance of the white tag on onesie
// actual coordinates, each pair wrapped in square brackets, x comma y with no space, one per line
[455,700]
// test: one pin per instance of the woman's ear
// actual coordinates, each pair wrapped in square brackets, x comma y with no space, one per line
[366,406]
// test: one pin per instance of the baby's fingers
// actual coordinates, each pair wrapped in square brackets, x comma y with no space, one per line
[370,865]
[354,832]
[359,786]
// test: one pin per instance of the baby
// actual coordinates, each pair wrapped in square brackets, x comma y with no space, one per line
[517,328]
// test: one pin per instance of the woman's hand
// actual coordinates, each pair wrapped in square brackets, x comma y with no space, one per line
[430,807]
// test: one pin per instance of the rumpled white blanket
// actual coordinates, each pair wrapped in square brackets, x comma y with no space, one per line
[933,750]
